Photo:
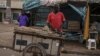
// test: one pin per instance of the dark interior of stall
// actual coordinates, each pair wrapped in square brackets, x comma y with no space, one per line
[71,16]
[95,16]
[94,12]
[73,23]
[74,20]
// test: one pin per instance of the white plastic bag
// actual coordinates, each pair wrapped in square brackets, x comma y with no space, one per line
[46,28]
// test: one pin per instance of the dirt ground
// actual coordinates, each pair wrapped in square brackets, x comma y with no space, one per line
[6,35]
[10,52]
[72,48]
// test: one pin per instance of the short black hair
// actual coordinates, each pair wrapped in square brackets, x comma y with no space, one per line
[56,7]
[23,12]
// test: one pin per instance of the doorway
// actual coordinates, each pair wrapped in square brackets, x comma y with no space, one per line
[0,16]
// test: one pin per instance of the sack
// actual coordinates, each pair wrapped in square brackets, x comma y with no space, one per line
[46,28]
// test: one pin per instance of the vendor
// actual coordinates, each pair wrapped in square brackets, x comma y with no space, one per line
[23,19]
[56,19]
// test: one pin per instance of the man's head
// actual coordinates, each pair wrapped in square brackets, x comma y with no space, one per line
[55,8]
[22,12]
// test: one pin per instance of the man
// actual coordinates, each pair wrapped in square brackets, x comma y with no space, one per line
[23,19]
[56,19]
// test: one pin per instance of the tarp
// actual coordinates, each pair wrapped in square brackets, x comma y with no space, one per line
[29,4]
[80,10]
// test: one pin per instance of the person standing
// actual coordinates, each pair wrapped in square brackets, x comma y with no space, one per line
[55,20]
[23,19]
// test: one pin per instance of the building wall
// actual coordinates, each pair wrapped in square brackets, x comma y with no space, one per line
[2,3]
[16,7]
[15,14]
[16,4]
[2,11]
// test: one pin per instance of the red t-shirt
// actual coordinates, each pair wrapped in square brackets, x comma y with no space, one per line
[55,20]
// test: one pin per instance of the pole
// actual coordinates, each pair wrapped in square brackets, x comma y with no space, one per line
[86,29]
[8,12]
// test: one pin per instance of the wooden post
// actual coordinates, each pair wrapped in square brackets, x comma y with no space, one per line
[86,25]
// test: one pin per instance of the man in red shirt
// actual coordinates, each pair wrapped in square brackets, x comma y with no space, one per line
[56,19]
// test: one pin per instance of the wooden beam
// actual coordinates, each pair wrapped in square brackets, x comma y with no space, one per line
[86,24]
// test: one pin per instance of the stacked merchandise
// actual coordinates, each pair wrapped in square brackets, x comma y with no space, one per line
[38,31]
[73,25]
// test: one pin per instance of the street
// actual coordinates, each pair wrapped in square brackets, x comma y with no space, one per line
[75,22]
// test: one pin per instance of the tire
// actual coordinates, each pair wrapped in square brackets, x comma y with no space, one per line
[43,52]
